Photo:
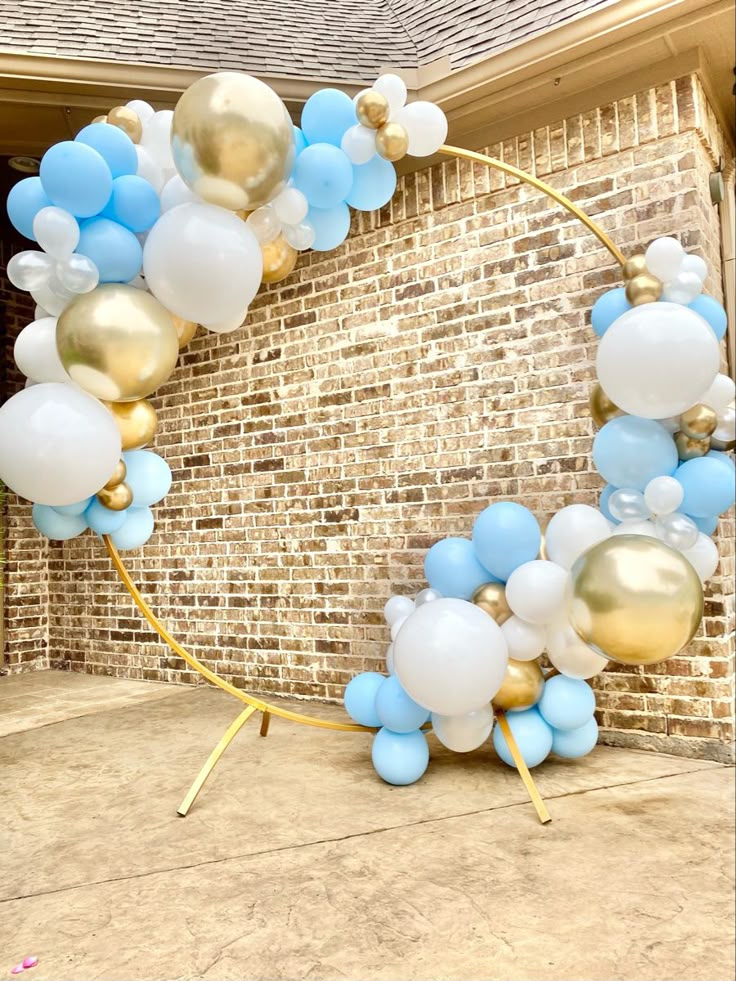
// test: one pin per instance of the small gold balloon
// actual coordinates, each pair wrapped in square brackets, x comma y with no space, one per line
[392,141]
[634,599]
[602,409]
[233,140]
[118,475]
[116,498]
[635,266]
[100,119]
[185,330]
[372,109]
[643,289]
[117,343]
[127,120]
[279,259]
[491,597]
[722,444]
[522,686]
[137,422]
[689,448]
[699,421]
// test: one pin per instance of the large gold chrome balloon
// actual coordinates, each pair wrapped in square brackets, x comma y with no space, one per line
[137,422]
[522,686]
[491,597]
[233,140]
[689,448]
[699,421]
[185,330]
[116,498]
[602,409]
[634,599]
[372,109]
[127,120]
[279,259]
[117,343]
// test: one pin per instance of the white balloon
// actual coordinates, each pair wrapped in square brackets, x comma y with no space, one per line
[143,109]
[636,528]
[572,531]
[56,231]
[676,530]
[397,608]
[290,206]
[52,296]
[663,259]
[396,626]
[703,557]
[156,139]
[78,273]
[720,394]
[229,325]
[426,596]
[694,264]
[30,270]
[525,641]
[656,359]
[425,125]
[393,89]
[149,169]
[39,313]
[202,263]
[726,428]
[264,223]
[58,445]
[671,424]
[572,656]
[464,733]
[301,236]
[359,144]
[627,504]
[535,591]
[450,657]
[36,355]
[390,659]
[174,192]
[683,288]
[663,495]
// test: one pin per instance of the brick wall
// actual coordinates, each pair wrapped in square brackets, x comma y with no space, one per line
[380,397]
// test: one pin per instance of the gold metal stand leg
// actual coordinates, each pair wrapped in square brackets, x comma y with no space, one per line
[531,789]
[265,723]
[230,733]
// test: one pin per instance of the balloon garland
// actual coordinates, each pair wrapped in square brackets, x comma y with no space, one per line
[152,223]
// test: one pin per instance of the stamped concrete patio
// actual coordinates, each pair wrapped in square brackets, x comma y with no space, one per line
[297,862]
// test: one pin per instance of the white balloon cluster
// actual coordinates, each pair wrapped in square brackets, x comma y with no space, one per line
[286,214]
[682,275]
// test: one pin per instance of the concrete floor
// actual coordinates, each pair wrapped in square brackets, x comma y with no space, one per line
[296,862]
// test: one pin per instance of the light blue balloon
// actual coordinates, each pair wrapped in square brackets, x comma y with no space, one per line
[148,475]
[323,174]
[135,530]
[711,311]
[76,178]
[571,744]
[723,458]
[331,227]
[706,525]
[115,250]
[113,145]
[79,508]
[102,519]
[452,568]
[532,734]
[566,703]
[300,141]
[395,710]
[603,503]
[57,527]
[505,536]
[25,200]
[133,203]
[608,308]
[709,486]
[360,698]
[326,115]
[373,184]
[400,758]
[630,451]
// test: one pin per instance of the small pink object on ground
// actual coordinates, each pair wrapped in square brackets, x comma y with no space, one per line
[30,962]
[18,969]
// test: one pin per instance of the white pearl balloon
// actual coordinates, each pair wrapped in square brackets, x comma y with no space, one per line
[464,733]
[572,656]
[56,231]
[393,89]
[175,192]
[663,495]
[290,206]
[572,531]
[78,273]
[663,258]
[30,270]
[726,428]
[683,288]
[156,139]
[703,557]
[425,125]
[52,296]
[396,627]
[535,591]
[148,169]
[144,111]
[301,236]
[264,224]
[694,264]
[676,530]
[426,596]
[390,659]
[359,144]
[627,504]
[36,355]
[720,394]
[397,608]
[525,641]
[228,325]
[636,528]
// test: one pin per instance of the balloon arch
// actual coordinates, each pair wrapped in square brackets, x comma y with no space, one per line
[150,224]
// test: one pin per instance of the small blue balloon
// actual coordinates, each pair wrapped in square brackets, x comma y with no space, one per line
[706,525]
[712,312]
[400,758]
[532,734]
[571,744]
[452,568]
[133,203]
[505,536]
[373,184]
[331,227]
[79,508]
[299,140]
[323,174]
[135,530]
[57,527]
[603,503]
[709,486]
[115,250]
[76,178]
[113,145]
[360,698]
[395,710]
[25,200]
[630,451]
[148,475]
[608,308]
[566,703]
[326,115]
[102,519]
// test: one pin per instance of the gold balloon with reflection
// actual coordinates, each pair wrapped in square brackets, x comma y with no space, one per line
[635,266]
[699,421]
[127,120]
[118,343]
[634,599]
[392,141]
[118,475]
[491,597]
[233,140]
[522,686]
[372,109]
[116,498]
[279,259]
[602,409]
[643,289]
[100,119]
[137,422]
[185,330]
[689,448]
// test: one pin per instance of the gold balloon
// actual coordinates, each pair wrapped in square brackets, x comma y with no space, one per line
[116,498]
[602,409]
[634,599]
[635,266]
[233,140]
[643,289]
[137,422]
[372,109]
[117,343]
[491,597]
[392,141]
[127,120]
[118,475]
[522,686]
[690,449]
[100,119]
[185,330]
[279,259]
[699,421]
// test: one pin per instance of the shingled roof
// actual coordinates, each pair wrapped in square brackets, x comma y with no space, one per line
[325,39]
